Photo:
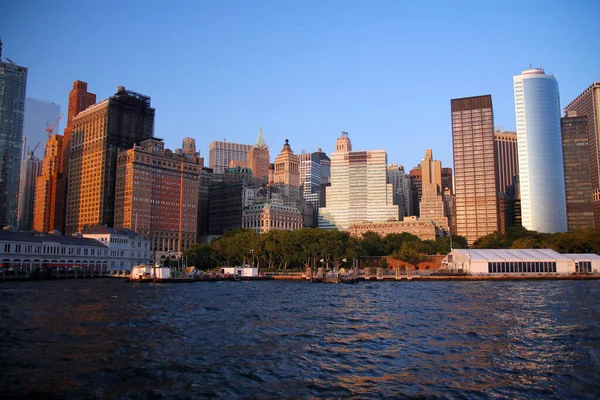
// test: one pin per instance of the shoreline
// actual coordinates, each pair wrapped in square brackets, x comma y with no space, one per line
[302,278]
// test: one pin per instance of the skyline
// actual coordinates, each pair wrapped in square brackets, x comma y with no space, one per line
[304,71]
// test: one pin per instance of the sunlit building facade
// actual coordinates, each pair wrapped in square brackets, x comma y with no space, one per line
[222,153]
[474,173]
[259,159]
[265,217]
[99,133]
[49,207]
[541,174]
[359,191]
[157,196]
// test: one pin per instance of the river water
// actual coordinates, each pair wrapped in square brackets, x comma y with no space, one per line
[109,339]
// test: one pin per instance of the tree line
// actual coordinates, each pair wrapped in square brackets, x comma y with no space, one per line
[578,241]
[312,247]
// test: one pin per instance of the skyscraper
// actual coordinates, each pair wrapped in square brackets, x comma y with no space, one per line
[402,189]
[505,147]
[474,172]
[30,170]
[259,159]
[587,104]
[38,115]
[157,196]
[13,83]
[49,206]
[432,203]
[359,190]
[507,170]
[541,174]
[578,183]
[189,146]
[222,153]
[287,167]
[99,133]
[79,100]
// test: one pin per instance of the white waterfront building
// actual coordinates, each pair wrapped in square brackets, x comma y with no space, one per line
[520,261]
[359,191]
[126,247]
[541,174]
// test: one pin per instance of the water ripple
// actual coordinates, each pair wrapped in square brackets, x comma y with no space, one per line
[109,339]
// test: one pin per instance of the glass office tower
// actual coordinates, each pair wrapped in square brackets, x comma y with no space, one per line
[537,107]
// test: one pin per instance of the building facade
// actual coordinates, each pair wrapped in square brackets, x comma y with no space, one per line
[222,153]
[102,249]
[520,262]
[576,163]
[49,207]
[507,171]
[31,168]
[157,195]
[265,217]
[126,248]
[287,167]
[587,104]
[259,159]
[541,174]
[507,159]
[79,100]
[39,115]
[359,191]
[425,230]
[432,206]
[474,167]
[13,84]
[99,133]
[402,190]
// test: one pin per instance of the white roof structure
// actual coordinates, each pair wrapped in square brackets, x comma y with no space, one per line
[513,254]
[583,256]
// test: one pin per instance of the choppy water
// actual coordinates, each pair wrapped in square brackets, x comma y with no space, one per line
[111,339]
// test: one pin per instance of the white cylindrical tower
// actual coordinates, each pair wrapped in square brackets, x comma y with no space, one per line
[541,174]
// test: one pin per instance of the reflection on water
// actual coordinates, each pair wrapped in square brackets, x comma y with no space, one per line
[110,339]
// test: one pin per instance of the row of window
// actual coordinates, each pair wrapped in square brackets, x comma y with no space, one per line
[521,267]
[40,249]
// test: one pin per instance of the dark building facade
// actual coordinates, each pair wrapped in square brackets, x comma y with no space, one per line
[13,84]
[507,170]
[99,133]
[474,167]
[587,104]
[576,162]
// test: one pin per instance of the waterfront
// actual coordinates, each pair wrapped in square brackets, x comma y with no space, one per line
[109,339]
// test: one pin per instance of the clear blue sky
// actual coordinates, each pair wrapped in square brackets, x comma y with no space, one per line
[384,71]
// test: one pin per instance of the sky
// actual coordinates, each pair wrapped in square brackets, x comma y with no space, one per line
[383,71]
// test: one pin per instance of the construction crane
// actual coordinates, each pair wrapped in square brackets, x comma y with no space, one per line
[35,148]
[50,129]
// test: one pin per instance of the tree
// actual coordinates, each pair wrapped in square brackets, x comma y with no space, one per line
[201,256]
[395,240]
[374,245]
[411,253]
